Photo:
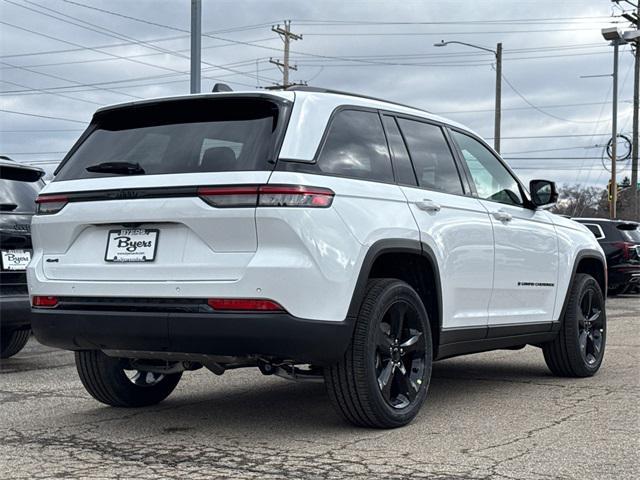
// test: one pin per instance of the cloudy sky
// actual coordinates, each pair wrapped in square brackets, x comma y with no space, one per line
[62,59]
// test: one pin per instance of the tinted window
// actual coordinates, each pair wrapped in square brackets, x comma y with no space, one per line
[630,232]
[356,147]
[492,180]
[401,161]
[18,197]
[595,229]
[431,156]
[203,135]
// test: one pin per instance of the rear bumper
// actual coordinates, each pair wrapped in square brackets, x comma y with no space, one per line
[277,335]
[15,312]
[624,274]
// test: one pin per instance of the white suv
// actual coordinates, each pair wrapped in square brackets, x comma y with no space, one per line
[311,233]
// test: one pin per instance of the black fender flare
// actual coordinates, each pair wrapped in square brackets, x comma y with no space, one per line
[386,246]
[582,255]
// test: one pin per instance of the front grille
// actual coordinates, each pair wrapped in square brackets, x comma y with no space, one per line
[135,304]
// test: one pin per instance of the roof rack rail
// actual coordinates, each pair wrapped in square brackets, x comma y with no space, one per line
[304,88]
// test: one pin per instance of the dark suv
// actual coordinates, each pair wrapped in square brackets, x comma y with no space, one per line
[19,187]
[620,241]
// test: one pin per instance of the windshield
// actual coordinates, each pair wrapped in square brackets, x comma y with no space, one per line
[18,197]
[180,136]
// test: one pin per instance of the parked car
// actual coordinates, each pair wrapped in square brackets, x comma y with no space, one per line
[620,241]
[314,234]
[19,187]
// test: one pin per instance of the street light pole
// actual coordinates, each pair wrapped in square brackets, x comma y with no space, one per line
[498,103]
[196,30]
[614,135]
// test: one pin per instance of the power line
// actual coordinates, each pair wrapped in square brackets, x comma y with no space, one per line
[552,158]
[42,116]
[139,55]
[553,149]
[51,93]
[527,137]
[454,112]
[109,33]
[32,153]
[44,130]
[491,21]
[431,34]
[538,109]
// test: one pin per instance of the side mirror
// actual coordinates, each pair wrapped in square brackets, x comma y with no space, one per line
[543,192]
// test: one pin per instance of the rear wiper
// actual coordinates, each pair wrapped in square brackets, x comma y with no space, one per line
[7,207]
[121,168]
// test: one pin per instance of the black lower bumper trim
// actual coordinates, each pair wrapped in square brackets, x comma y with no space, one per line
[15,312]
[277,335]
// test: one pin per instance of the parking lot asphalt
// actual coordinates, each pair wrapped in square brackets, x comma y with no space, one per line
[492,415]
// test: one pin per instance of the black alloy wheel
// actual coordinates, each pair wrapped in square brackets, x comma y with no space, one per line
[383,377]
[578,349]
[400,359]
[591,328]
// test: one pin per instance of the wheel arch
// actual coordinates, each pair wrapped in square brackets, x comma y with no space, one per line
[411,261]
[590,262]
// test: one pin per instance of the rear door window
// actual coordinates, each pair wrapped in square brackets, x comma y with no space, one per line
[182,136]
[401,160]
[431,156]
[356,147]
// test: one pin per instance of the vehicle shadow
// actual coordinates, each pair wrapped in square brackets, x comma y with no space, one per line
[270,405]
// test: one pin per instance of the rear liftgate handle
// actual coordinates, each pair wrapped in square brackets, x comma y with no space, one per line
[428,205]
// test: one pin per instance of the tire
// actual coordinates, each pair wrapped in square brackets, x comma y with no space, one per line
[12,342]
[578,350]
[105,379]
[356,383]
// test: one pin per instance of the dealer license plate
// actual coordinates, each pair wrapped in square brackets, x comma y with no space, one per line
[132,245]
[15,259]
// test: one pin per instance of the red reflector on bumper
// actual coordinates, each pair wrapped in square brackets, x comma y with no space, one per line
[44,302]
[244,304]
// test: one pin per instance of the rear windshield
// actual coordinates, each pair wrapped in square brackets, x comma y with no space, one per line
[18,197]
[630,232]
[181,136]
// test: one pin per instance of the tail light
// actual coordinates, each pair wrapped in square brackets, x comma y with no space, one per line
[49,204]
[240,196]
[44,302]
[244,304]
[628,249]
[294,196]
[267,196]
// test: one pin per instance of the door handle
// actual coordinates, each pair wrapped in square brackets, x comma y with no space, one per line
[428,205]
[502,216]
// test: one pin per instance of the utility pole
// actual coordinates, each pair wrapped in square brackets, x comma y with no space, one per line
[636,134]
[284,66]
[196,37]
[614,134]
[498,104]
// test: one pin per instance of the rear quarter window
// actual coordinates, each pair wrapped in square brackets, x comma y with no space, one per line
[595,229]
[356,147]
